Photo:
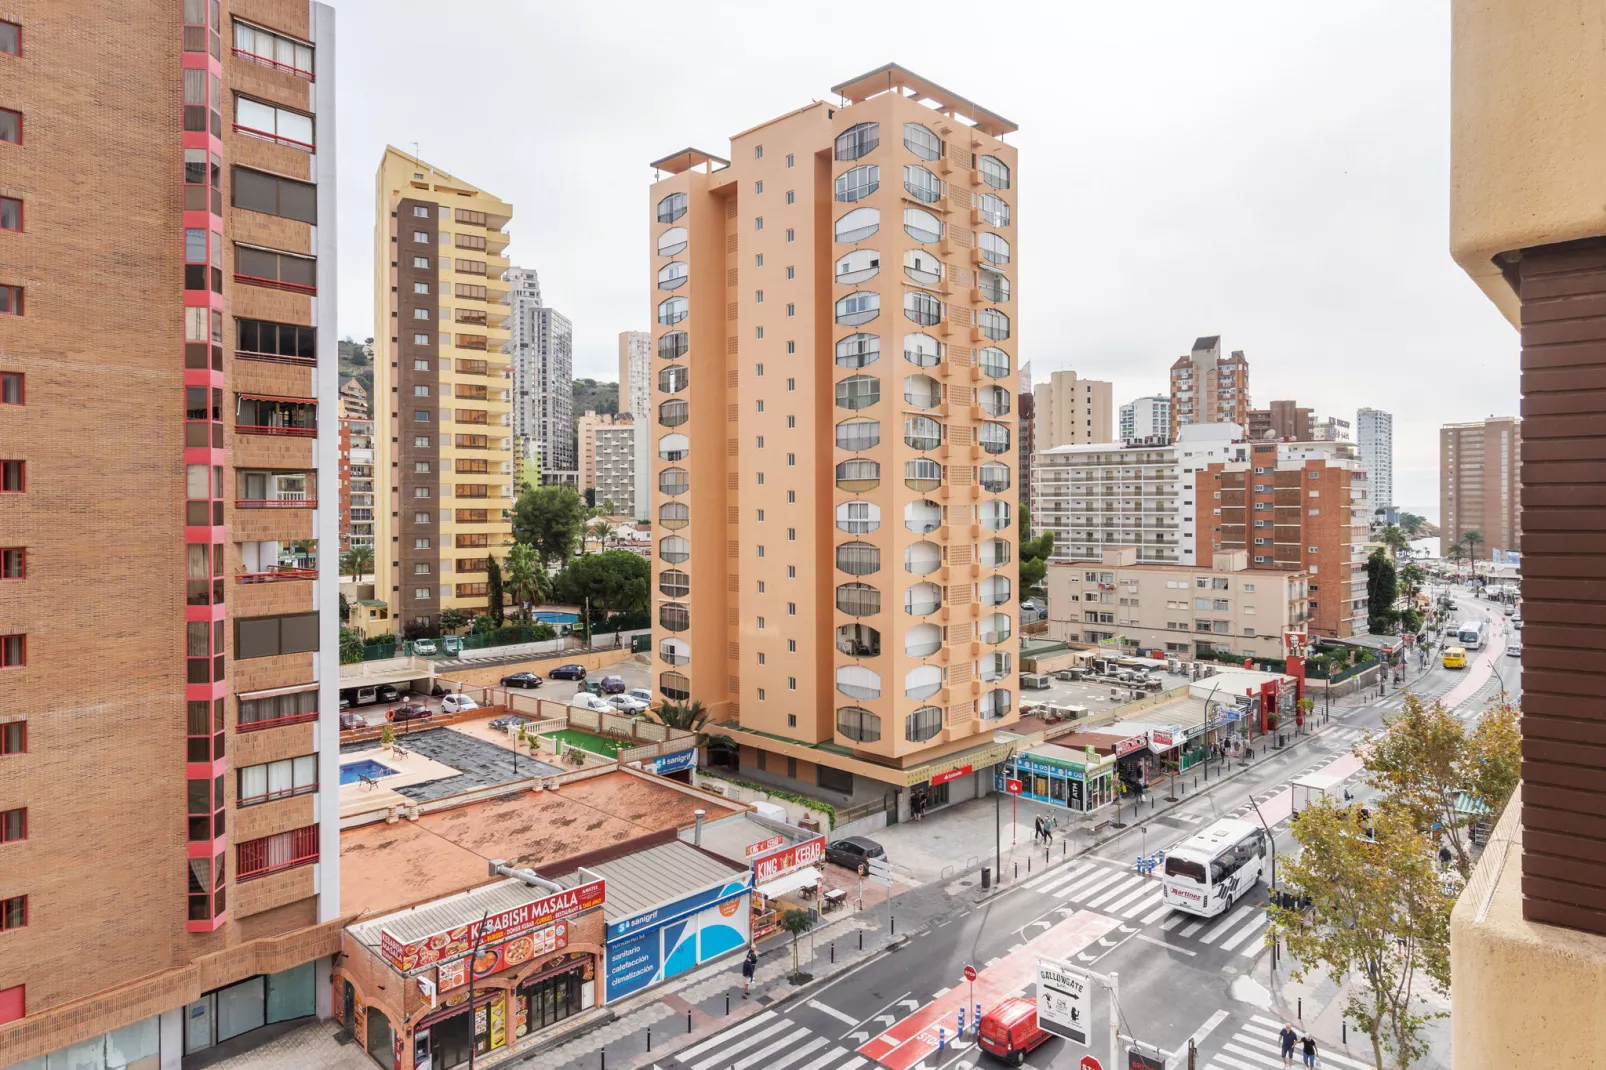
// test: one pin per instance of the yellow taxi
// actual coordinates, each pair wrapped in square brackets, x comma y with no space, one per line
[1455,657]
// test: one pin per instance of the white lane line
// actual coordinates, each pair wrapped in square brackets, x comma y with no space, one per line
[728,1034]
[1247,931]
[1146,938]
[1205,1030]
[1196,926]
[724,1056]
[1325,1056]
[1114,891]
[876,1014]
[763,1054]
[830,1056]
[1045,885]
[1158,911]
[1077,891]
[853,1065]
[1146,896]
[1176,919]
[833,1012]
[1220,929]
[1236,1064]
[783,1061]
[1259,1058]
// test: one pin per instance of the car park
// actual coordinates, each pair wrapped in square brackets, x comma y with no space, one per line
[853,851]
[642,693]
[387,693]
[613,685]
[425,648]
[626,704]
[458,703]
[409,711]
[587,701]
[567,672]
[352,722]
[522,679]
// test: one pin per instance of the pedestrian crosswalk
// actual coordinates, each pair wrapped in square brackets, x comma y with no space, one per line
[1254,1047]
[1099,885]
[769,1041]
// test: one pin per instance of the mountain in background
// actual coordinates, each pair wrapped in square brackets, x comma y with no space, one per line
[357,362]
[592,396]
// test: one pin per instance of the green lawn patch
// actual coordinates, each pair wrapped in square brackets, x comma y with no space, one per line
[586,741]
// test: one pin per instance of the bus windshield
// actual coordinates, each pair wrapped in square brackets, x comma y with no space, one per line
[1182,867]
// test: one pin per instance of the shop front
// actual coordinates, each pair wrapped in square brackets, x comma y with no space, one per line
[666,941]
[785,877]
[1165,749]
[1132,762]
[1078,780]
[955,778]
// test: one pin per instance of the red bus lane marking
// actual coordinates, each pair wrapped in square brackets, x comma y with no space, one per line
[915,1038]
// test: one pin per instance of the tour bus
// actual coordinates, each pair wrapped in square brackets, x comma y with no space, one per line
[1208,872]
[1472,633]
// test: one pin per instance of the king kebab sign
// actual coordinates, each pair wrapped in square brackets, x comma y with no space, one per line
[410,955]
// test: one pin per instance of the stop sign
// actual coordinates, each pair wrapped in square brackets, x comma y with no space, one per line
[970,973]
[1089,1063]
[1012,786]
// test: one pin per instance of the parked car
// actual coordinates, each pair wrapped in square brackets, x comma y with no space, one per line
[387,693]
[458,703]
[425,648]
[642,693]
[1010,1030]
[852,851]
[345,700]
[522,679]
[1514,650]
[587,701]
[567,672]
[627,704]
[592,686]
[410,711]
[1516,622]
[509,721]
[351,722]
[613,685]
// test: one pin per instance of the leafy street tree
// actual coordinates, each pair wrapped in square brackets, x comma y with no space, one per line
[1034,554]
[524,576]
[688,716]
[345,608]
[452,620]
[1425,759]
[549,519]
[1378,920]
[357,562]
[1410,523]
[1382,591]
[601,530]
[615,581]
[493,591]
[351,646]
[796,922]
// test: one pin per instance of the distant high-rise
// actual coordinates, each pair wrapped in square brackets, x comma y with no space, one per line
[541,344]
[635,372]
[1480,474]
[1374,434]
[1209,388]
[1071,411]
[1145,419]
[1282,421]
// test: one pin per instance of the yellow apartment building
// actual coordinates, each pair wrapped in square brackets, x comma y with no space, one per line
[443,444]
[833,449]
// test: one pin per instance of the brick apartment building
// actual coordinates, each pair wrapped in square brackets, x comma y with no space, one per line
[1298,507]
[168,255]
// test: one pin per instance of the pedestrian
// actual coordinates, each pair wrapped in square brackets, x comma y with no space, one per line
[1289,1038]
[1308,1048]
[1444,856]
[1039,833]
[749,968]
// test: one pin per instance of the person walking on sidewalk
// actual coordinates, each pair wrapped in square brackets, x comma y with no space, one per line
[1037,829]
[1289,1038]
[1308,1048]
[749,968]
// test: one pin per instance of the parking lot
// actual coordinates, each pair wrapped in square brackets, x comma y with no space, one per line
[634,673]
[1096,696]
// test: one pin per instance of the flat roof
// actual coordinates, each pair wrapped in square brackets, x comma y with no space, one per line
[686,159]
[647,879]
[427,919]
[384,867]
[892,76]
[732,836]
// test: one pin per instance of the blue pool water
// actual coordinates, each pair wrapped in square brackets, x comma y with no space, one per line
[558,618]
[354,771]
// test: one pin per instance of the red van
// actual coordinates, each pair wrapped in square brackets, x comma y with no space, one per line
[1010,1030]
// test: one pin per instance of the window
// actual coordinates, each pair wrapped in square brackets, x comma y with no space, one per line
[921,183]
[789,159]
[858,183]
[859,307]
[11,126]
[13,913]
[758,332]
[278,780]
[791,196]
[273,50]
[994,209]
[758,187]
[994,172]
[420,518]
[758,222]
[261,637]
[13,738]
[13,651]
[994,249]
[259,191]
[671,208]
[791,235]
[280,271]
[923,723]
[791,309]
[672,241]
[672,311]
[13,825]
[856,226]
[673,275]
[922,307]
[993,323]
[13,564]
[758,297]
[858,724]
[857,141]
[922,266]
[421,262]
[10,300]
[10,213]
[13,476]
[674,344]
[276,124]
[859,434]
[921,225]
[271,853]
[11,392]
[421,211]
[11,45]
[420,313]
[922,432]
[288,341]
[421,340]
[421,237]
[921,141]
[857,266]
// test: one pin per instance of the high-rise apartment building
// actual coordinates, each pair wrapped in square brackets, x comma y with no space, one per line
[586,427]
[834,454]
[1104,496]
[1332,429]
[1070,411]
[1295,507]
[635,372]
[357,479]
[614,464]
[1145,421]
[188,195]
[1374,435]
[1208,388]
[1282,421]
[1480,472]
[1026,432]
[541,344]
[442,427]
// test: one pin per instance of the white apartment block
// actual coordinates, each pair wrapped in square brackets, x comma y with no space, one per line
[1145,420]
[635,373]
[614,465]
[1102,496]
[1374,433]
[542,348]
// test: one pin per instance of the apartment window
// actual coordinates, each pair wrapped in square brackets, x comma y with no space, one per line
[421,441]
[280,125]
[276,270]
[421,340]
[420,211]
[758,296]
[791,609]
[420,518]
[271,853]
[259,191]
[791,421]
[11,392]
[758,222]
[791,570]
[758,154]
[758,369]
[791,272]
[278,780]
[13,913]
[791,646]
[13,825]
[420,313]
[276,710]
[761,659]
[1313,549]
[791,235]
[421,544]
[421,262]
[273,50]
[758,260]
[10,300]
[791,310]
[761,520]
[791,347]
[10,213]
[791,720]
[790,159]
[11,45]
[791,384]
[261,637]
[421,237]
[761,619]
[13,738]
[13,476]
[758,187]
[11,126]
[13,651]
[761,690]
[758,332]
[13,564]
[760,440]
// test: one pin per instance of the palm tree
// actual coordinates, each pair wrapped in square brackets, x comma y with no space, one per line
[602,530]
[1455,554]
[1394,539]
[1472,537]
[357,561]
[521,577]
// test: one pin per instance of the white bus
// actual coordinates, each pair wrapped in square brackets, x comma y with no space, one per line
[1472,633]
[1208,872]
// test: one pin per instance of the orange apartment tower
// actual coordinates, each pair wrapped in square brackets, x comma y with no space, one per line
[169,768]
[834,468]
[1207,388]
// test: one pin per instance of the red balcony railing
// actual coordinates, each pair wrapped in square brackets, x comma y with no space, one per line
[274,853]
[276,503]
[264,61]
[274,284]
[278,574]
[287,432]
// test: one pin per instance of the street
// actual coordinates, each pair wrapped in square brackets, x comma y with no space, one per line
[1180,976]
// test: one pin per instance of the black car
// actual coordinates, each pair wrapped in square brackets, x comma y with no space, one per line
[567,672]
[502,723]
[851,851]
[411,711]
[522,679]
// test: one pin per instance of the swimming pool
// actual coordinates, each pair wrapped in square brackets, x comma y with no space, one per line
[558,618]
[352,772]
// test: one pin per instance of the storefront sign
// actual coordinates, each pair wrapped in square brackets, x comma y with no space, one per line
[688,904]
[756,849]
[1127,746]
[514,952]
[670,948]
[1012,786]
[1062,1000]
[426,991]
[779,863]
[674,763]
[1040,768]
[1164,738]
[453,943]
[952,774]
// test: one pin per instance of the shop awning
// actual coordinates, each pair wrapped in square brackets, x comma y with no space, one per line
[790,882]
[976,757]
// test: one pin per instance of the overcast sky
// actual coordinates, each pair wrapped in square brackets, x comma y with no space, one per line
[1274,173]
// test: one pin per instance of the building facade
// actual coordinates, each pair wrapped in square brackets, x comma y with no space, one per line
[443,435]
[541,345]
[196,203]
[585,429]
[1145,421]
[635,372]
[834,438]
[1282,421]
[357,445]
[1102,497]
[1174,609]
[1071,411]
[1480,476]
[614,465]
[1296,507]
[1374,435]
[1331,429]
[1026,431]
[1208,388]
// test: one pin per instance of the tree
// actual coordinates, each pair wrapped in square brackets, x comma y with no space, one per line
[453,619]
[1472,537]
[615,581]
[351,646]
[1394,539]
[493,590]
[1034,554]
[1377,915]
[357,562]
[1456,555]
[549,519]
[522,582]
[796,922]
[687,716]
[608,508]
[1382,591]
[601,530]
[1410,523]
[1493,763]
[345,607]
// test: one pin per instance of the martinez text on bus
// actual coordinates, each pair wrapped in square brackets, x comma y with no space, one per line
[1208,872]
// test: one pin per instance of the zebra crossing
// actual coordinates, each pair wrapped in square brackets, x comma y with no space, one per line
[1098,885]
[1254,1047]
[769,1041]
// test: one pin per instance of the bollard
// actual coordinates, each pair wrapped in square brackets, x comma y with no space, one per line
[1028,863]
[894,919]
[1017,871]
[649,1038]
[942,1038]
[727,1002]
[604,1054]
[861,948]
[1301,1008]
[833,959]
[1045,856]
[1066,842]
[1346,1033]
[1151,802]
[688,1019]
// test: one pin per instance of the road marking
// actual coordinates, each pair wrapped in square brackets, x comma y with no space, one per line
[1153,901]
[1260,1059]
[1176,919]
[763,1054]
[1344,1060]
[1252,928]
[871,1018]
[1115,891]
[1218,930]
[1169,947]
[833,1012]
[735,1030]
[723,1057]
[1050,881]
[1144,891]
[822,1060]
[1206,1029]
[782,1062]
[1076,891]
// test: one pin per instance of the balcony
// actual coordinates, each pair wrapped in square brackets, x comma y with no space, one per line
[261,414]
[276,490]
